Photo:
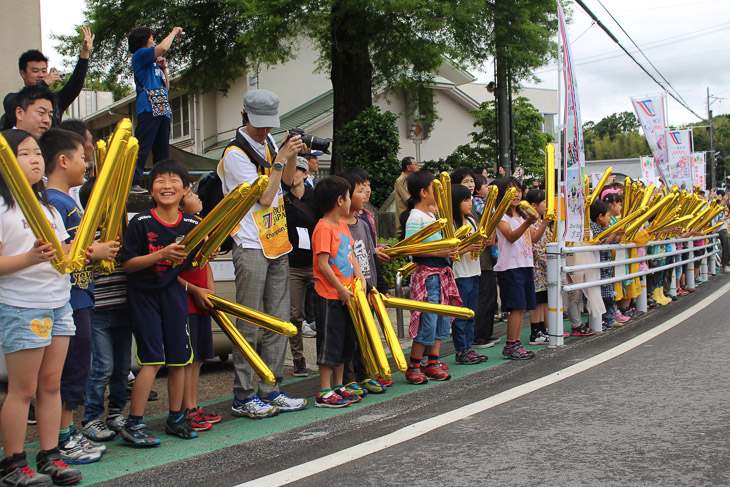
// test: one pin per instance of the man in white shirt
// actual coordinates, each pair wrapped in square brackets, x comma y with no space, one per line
[262,244]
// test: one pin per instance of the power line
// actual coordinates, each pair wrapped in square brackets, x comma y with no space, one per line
[613,38]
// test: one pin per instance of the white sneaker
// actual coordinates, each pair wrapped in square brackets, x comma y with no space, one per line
[73,452]
[284,403]
[727,270]
[307,331]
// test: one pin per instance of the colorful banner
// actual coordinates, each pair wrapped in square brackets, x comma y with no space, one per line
[650,112]
[573,148]
[648,174]
[679,150]
[699,169]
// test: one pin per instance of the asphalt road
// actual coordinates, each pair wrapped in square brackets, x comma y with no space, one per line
[654,414]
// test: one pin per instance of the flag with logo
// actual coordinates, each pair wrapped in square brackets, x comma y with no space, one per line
[648,174]
[699,169]
[679,165]
[573,148]
[650,112]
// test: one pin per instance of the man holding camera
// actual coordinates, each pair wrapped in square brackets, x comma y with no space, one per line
[262,244]
[34,71]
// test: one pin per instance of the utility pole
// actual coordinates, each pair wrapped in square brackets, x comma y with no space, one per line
[713,176]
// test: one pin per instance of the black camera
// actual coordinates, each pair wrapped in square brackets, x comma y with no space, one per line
[311,141]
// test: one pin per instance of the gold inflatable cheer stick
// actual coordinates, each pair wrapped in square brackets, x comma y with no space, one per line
[244,348]
[462,232]
[422,248]
[627,197]
[443,203]
[28,203]
[471,239]
[371,331]
[365,350]
[550,182]
[253,316]
[713,228]
[622,223]
[100,195]
[488,207]
[596,195]
[680,222]
[423,233]
[527,208]
[439,309]
[648,193]
[499,212]
[407,269]
[99,154]
[390,337]
[223,230]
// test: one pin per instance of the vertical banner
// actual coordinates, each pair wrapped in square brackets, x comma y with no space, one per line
[650,112]
[648,174]
[679,151]
[573,148]
[699,169]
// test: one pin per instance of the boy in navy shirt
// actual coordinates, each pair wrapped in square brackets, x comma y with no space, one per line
[63,152]
[158,303]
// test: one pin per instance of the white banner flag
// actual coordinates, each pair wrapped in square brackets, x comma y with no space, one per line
[699,169]
[650,112]
[648,174]
[679,150]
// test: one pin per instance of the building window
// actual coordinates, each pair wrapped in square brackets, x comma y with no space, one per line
[180,118]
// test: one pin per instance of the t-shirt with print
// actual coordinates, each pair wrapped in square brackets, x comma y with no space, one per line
[82,281]
[40,285]
[146,234]
[416,221]
[337,242]
[364,250]
[147,73]
[516,254]
[468,266]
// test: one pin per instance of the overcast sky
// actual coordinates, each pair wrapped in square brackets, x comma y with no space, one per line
[688,41]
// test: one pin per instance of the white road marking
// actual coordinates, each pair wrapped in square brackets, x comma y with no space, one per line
[415,430]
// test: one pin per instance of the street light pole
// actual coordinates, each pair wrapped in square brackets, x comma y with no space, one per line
[713,176]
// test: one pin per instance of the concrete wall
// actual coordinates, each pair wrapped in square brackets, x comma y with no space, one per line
[21,28]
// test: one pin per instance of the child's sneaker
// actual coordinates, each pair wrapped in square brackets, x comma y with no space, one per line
[464,357]
[15,471]
[388,383]
[330,400]
[620,318]
[583,331]
[516,351]
[50,464]
[539,339]
[347,395]
[196,422]
[96,430]
[373,386]
[608,326]
[300,368]
[138,435]
[285,403]
[414,375]
[207,416]
[115,420]
[253,408]
[435,372]
[479,356]
[355,388]
[73,452]
[180,427]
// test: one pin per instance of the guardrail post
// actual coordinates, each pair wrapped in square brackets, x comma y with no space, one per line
[673,276]
[641,299]
[712,264]
[596,322]
[399,312]
[703,263]
[689,280]
[555,295]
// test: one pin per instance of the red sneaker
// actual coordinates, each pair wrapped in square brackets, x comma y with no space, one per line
[207,416]
[196,423]
[415,376]
[436,373]
[383,382]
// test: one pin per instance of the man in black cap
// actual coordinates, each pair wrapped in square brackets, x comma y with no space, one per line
[262,244]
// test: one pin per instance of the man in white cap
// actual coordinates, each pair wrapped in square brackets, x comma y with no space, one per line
[262,244]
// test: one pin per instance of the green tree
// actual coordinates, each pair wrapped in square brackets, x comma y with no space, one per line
[365,46]
[372,143]
[614,137]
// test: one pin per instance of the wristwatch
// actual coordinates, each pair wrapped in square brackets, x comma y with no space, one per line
[278,166]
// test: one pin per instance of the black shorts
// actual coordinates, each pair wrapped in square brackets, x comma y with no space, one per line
[159,321]
[201,336]
[335,332]
[541,297]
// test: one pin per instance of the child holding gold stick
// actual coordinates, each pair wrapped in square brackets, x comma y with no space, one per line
[335,268]
[466,274]
[368,257]
[158,303]
[198,284]
[35,333]
[433,273]
[515,267]
[64,154]
[540,234]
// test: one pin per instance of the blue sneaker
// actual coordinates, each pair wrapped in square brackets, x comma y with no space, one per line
[253,408]
[138,435]
[373,386]
[285,403]
[354,388]
[608,326]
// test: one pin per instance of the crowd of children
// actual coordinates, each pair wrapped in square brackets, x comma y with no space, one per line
[67,349]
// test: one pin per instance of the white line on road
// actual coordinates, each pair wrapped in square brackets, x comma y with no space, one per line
[415,430]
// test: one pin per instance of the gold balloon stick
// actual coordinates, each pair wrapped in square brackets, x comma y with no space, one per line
[439,309]
[527,208]
[364,344]
[713,228]
[101,195]
[443,203]
[648,193]
[28,203]
[390,337]
[407,269]
[423,233]
[245,349]
[596,195]
[627,197]
[636,226]
[488,207]
[422,248]
[587,208]
[371,331]
[550,182]
[499,212]
[680,222]
[446,184]
[470,240]
[462,232]
[622,223]
[99,154]
[253,316]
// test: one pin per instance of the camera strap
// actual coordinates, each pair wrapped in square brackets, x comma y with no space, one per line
[253,155]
